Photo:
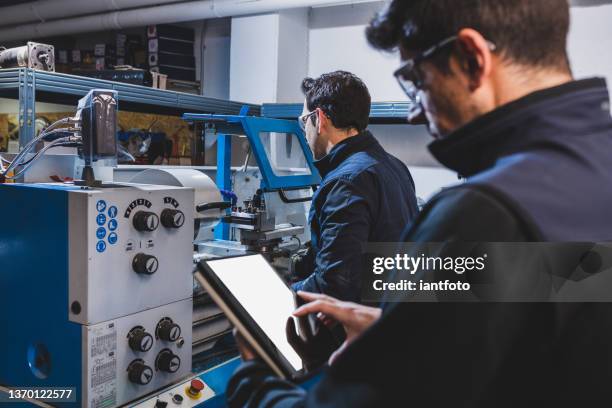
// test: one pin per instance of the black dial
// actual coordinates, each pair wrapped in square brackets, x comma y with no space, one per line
[143,263]
[167,361]
[172,218]
[139,339]
[139,373]
[145,221]
[167,330]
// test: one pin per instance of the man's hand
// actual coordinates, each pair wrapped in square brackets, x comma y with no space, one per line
[353,317]
[313,346]
[246,351]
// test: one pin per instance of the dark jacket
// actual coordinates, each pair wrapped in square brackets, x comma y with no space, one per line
[366,195]
[538,169]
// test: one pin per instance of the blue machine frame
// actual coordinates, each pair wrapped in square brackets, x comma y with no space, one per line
[251,126]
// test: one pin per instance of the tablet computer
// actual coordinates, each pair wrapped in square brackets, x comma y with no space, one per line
[258,303]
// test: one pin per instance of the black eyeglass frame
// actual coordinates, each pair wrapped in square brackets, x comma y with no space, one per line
[303,118]
[407,75]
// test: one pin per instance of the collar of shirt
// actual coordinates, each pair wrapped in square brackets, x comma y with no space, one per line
[343,150]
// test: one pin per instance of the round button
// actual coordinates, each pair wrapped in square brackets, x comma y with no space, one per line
[146,264]
[112,238]
[172,218]
[167,361]
[196,386]
[177,399]
[139,373]
[145,221]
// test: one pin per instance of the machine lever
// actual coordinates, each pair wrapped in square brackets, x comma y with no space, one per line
[220,205]
[287,200]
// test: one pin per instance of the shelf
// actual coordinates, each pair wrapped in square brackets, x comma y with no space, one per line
[28,86]
[56,84]
[381,112]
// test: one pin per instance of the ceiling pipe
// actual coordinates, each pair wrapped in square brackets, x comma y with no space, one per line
[45,10]
[165,14]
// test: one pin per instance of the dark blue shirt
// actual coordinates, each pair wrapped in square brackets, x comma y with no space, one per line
[366,195]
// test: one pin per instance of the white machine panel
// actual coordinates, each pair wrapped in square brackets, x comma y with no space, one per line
[179,396]
[107,354]
[107,245]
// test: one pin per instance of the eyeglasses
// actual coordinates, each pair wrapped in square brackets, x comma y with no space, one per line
[302,119]
[408,75]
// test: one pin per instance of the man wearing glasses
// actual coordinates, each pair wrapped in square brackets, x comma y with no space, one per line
[492,81]
[366,195]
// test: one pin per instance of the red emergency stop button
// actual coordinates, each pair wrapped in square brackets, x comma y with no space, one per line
[195,387]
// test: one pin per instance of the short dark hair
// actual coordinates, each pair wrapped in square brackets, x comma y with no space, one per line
[527,32]
[342,96]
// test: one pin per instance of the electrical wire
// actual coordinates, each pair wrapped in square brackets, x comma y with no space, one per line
[51,130]
[299,244]
[65,141]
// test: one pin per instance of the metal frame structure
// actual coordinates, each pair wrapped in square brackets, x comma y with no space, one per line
[27,82]
[251,126]
[380,113]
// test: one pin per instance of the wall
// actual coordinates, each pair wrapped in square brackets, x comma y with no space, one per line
[337,41]
[254,45]
[214,44]
[590,41]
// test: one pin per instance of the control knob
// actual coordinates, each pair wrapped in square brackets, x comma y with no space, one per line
[172,218]
[139,339]
[145,221]
[146,264]
[139,373]
[167,330]
[167,361]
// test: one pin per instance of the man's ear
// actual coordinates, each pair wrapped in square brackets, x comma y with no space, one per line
[322,121]
[476,56]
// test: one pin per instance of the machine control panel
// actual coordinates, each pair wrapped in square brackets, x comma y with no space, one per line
[190,393]
[126,358]
[123,257]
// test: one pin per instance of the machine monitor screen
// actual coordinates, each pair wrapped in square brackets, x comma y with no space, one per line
[258,303]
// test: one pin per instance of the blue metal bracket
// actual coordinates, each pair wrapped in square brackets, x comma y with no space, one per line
[224,180]
[252,127]
[27,106]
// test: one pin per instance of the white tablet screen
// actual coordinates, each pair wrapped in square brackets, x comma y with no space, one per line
[263,294]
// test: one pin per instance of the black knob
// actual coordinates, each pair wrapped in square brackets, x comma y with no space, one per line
[143,263]
[145,221]
[167,361]
[167,330]
[139,373]
[139,339]
[172,218]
